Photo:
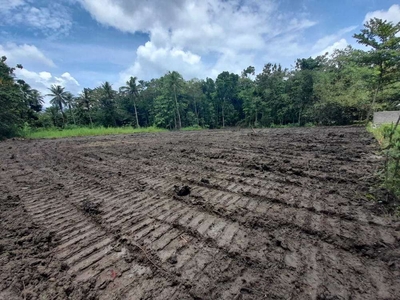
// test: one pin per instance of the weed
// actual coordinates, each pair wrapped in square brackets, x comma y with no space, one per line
[192,128]
[388,136]
[50,133]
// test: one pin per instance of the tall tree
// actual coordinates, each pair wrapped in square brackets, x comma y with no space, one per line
[131,89]
[175,81]
[70,102]
[59,94]
[11,101]
[35,101]
[226,89]
[85,101]
[383,39]
[108,104]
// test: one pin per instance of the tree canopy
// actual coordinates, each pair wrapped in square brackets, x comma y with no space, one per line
[336,89]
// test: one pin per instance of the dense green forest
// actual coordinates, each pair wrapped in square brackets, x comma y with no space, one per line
[337,89]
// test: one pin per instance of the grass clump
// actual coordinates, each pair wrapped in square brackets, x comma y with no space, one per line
[192,128]
[388,136]
[51,133]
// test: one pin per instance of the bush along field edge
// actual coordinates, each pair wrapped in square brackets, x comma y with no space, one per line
[388,137]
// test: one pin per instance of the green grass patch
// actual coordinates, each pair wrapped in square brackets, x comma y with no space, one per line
[380,133]
[192,128]
[51,133]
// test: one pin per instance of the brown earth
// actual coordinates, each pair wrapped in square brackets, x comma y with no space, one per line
[274,214]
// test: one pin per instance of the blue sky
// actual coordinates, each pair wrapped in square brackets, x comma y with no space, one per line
[82,43]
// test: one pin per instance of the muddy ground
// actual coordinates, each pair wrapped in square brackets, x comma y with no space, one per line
[280,214]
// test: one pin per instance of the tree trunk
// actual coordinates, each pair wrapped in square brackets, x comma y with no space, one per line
[63,115]
[256,118]
[196,112]
[223,114]
[90,118]
[372,108]
[63,118]
[177,109]
[176,126]
[72,114]
[136,114]
[299,116]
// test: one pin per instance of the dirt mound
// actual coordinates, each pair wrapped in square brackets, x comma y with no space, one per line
[91,208]
[182,190]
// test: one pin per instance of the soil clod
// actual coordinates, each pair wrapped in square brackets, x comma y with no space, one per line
[91,208]
[182,190]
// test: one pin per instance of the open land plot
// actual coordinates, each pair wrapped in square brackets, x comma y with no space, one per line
[272,214]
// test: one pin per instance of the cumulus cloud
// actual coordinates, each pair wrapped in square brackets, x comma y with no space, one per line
[32,58]
[184,32]
[391,15]
[24,54]
[52,19]
[43,80]
[341,44]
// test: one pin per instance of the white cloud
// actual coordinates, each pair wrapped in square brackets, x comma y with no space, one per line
[24,54]
[184,32]
[43,80]
[391,15]
[7,5]
[66,78]
[46,76]
[152,62]
[154,54]
[327,41]
[341,44]
[52,20]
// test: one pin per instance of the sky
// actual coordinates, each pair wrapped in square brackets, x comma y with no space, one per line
[83,43]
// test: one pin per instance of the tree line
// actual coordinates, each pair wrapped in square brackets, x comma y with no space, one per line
[337,89]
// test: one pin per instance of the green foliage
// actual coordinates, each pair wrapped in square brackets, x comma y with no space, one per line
[388,136]
[338,89]
[383,39]
[19,103]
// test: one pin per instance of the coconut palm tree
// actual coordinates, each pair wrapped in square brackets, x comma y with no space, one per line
[32,98]
[108,103]
[59,94]
[131,89]
[69,101]
[35,100]
[85,100]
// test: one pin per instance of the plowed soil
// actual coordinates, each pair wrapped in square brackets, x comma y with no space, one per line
[274,214]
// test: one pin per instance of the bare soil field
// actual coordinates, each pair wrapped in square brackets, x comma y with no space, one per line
[280,214]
